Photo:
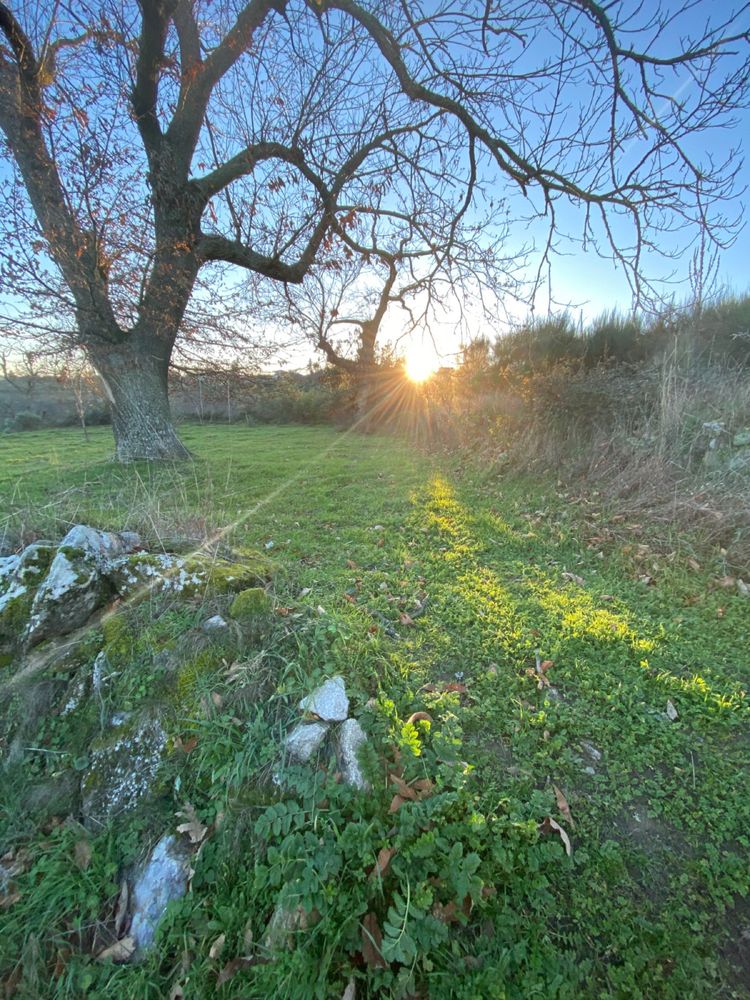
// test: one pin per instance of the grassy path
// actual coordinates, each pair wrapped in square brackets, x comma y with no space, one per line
[441,589]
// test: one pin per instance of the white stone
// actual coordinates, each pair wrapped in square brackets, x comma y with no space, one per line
[351,736]
[9,565]
[305,740]
[162,879]
[214,624]
[329,702]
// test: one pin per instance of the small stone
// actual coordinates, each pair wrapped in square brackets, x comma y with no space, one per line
[351,736]
[161,879]
[305,740]
[591,750]
[214,624]
[589,770]
[329,702]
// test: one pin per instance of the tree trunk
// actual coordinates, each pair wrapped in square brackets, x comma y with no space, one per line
[136,387]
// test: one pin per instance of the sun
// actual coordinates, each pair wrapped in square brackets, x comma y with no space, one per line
[421,362]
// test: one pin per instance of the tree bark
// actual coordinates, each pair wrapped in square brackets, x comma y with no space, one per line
[136,386]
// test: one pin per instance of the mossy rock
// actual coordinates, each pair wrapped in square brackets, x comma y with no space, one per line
[250,605]
[140,574]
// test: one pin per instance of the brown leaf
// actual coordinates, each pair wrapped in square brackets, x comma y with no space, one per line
[404,790]
[350,598]
[188,745]
[726,581]
[231,969]
[423,787]
[193,827]
[396,803]
[217,947]
[121,910]
[546,665]
[372,941]
[383,862]
[9,896]
[562,805]
[446,914]
[549,825]
[405,618]
[418,717]
[82,854]
[61,963]
[351,564]
[120,951]
[455,688]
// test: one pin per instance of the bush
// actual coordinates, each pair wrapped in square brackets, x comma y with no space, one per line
[25,420]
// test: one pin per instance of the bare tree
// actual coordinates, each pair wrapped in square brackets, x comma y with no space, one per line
[151,143]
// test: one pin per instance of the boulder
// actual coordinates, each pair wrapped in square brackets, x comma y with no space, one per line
[162,878]
[329,702]
[76,583]
[122,769]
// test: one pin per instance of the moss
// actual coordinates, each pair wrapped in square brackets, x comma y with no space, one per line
[118,640]
[35,562]
[250,604]
[14,617]
[248,570]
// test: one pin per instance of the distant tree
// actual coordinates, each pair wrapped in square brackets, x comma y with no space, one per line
[152,146]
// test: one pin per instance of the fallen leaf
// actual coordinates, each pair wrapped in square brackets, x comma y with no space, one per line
[305,591]
[188,745]
[546,665]
[61,963]
[351,564]
[372,941]
[120,951]
[726,581]
[405,619]
[121,910]
[283,612]
[231,969]
[694,564]
[562,805]
[9,896]
[418,717]
[405,790]
[646,580]
[350,598]
[549,825]
[193,827]
[383,862]
[446,914]
[573,578]
[82,854]
[455,687]
[396,803]
[217,947]
[672,713]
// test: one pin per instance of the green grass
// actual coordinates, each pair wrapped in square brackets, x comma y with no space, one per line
[652,901]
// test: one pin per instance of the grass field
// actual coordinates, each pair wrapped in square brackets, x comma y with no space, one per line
[432,587]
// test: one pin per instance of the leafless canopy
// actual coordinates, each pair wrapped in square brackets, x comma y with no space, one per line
[151,146]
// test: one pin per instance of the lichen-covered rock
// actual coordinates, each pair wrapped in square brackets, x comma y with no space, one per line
[305,740]
[351,737]
[20,575]
[122,770]
[160,880]
[142,573]
[250,604]
[76,583]
[741,439]
[329,702]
